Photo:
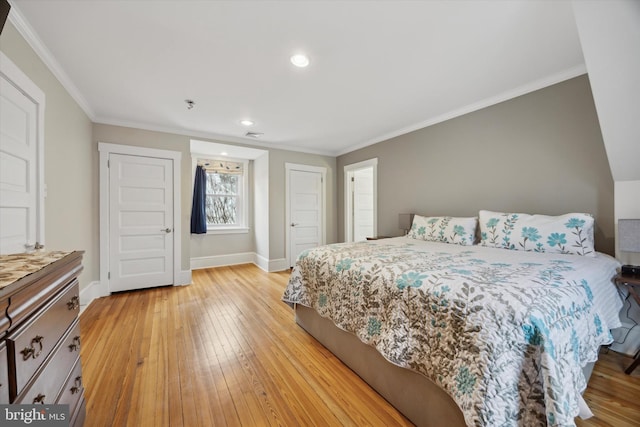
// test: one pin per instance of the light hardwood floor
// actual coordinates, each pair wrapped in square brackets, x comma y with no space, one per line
[225,351]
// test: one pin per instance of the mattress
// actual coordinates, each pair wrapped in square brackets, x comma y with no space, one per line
[504,333]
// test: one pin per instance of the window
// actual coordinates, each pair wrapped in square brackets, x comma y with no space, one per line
[223,194]
[226,193]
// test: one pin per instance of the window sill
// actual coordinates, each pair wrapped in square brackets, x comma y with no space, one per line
[228,230]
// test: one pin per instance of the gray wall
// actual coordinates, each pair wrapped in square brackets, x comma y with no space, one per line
[221,244]
[277,200]
[537,153]
[160,140]
[71,205]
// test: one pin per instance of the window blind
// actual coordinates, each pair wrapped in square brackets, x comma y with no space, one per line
[222,166]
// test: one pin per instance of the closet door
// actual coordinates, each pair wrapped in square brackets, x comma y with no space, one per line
[20,162]
[140,222]
[305,204]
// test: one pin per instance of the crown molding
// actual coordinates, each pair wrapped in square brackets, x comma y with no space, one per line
[32,38]
[189,133]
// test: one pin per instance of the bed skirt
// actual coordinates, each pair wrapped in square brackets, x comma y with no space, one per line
[414,395]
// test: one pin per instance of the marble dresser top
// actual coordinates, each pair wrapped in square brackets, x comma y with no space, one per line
[16,266]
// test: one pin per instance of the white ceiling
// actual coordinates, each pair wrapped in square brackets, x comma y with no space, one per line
[378,68]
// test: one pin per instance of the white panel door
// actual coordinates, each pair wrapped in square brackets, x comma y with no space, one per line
[306,207]
[363,199]
[18,166]
[140,222]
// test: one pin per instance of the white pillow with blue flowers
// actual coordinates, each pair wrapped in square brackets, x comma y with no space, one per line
[567,234]
[446,229]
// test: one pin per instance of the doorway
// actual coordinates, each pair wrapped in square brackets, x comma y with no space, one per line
[361,201]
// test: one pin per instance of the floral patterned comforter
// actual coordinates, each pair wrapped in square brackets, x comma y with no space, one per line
[504,333]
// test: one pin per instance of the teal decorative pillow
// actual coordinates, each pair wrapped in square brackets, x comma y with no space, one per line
[446,229]
[566,234]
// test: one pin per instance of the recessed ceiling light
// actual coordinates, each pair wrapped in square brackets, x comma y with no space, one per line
[300,60]
[246,122]
[224,153]
[253,134]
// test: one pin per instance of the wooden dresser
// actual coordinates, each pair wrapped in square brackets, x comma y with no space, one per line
[40,332]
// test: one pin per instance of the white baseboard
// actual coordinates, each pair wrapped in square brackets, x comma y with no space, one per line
[261,262]
[92,291]
[222,260]
[239,258]
[184,278]
[278,265]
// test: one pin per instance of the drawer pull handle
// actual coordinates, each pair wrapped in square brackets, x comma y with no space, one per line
[75,344]
[78,384]
[39,399]
[30,351]
[73,303]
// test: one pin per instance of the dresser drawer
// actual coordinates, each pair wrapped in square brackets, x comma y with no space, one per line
[73,388]
[49,380]
[30,344]
[4,375]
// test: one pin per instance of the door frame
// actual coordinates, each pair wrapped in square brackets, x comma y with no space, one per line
[106,149]
[348,202]
[15,76]
[323,220]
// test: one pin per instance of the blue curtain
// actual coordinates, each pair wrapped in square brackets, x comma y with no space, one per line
[198,211]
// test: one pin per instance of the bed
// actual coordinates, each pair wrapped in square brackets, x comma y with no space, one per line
[460,333]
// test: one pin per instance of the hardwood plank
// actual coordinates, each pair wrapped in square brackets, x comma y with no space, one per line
[612,395]
[225,351]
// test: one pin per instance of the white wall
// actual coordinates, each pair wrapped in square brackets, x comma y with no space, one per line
[261,205]
[627,206]
[610,37]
